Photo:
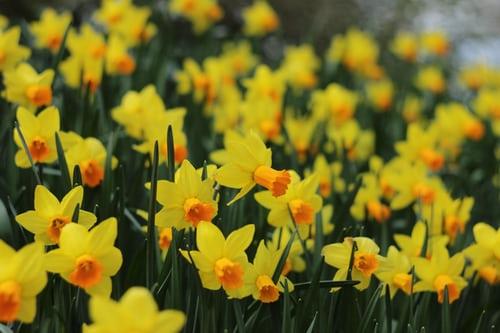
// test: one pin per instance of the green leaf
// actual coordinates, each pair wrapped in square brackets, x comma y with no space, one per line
[284,256]
[151,271]
[445,313]
[325,284]
[479,322]
[370,308]
[310,329]
[77,176]
[204,171]
[170,154]
[239,316]
[286,324]
[63,165]
[388,309]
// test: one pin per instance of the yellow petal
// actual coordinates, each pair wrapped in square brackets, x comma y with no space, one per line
[27,310]
[139,303]
[173,319]
[73,240]
[57,261]
[46,204]
[103,288]
[70,200]
[239,240]
[49,118]
[189,181]
[336,255]
[231,175]
[210,240]
[102,237]
[111,261]
[32,222]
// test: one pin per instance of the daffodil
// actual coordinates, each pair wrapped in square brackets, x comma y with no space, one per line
[87,259]
[248,164]
[301,133]
[298,206]
[49,30]
[441,272]
[263,268]
[405,46]
[187,201]
[330,178]
[412,108]
[294,262]
[380,94]
[487,106]
[22,278]
[351,140]
[431,79]
[11,53]
[369,201]
[24,86]
[222,262]
[136,311]
[299,65]
[259,19]
[201,13]
[395,272]
[118,60]
[335,103]
[39,133]
[412,245]
[239,57]
[485,252]
[366,259]
[435,43]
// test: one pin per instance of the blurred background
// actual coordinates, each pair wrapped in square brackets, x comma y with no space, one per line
[473,25]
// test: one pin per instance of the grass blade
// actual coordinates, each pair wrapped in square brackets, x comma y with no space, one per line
[151,273]
[445,313]
[170,154]
[63,164]
[370,308]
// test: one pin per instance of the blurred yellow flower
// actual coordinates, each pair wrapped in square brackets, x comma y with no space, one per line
[430,78]
[395,272]
[201,13]
[380,94]
[22,278]
[51,216]
[405,46]
[118,60]
[259,19]
[87,259]
[435,43]
[11,53]
[335,103]
[300,65]
[49,30]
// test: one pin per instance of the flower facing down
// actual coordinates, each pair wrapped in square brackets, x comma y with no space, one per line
[249,163]
[439,272]
[87,259]
[187,201]
[366,259]
[24,86]
[22,277]
[51,215]
[223,262]
[135,312]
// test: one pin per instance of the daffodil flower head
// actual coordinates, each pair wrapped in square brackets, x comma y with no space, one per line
[22,277]
[49,30]
[136,311]
[484,252]
[259,19]
[87,259]
[51,216]
[11,53]
[187,201]
[249,163]
[395,272]
[222,262]
[366,259]
[405,46]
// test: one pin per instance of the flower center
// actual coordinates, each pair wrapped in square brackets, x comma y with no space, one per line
[366,263]
[474,130]
[403,282]
[55,227]
[125,64]
[489,274]
[270,128]
[180,152]
[229,273]
[424,192]
[92,173]
[325,188]
[268,292]
[274,180]
[87,272]
[378,211]
[303,212]
[432,159]
[453,225]
[10,300]
[165,238]
[270,22]
[54,42]
[443,281]
[387,189]
[98,51]
[39,95]
[196,211]
[39,149]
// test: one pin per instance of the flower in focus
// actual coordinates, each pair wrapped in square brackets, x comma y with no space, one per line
[441,272]
[395,272]
[412,245]
[51,216]
[366,259]
[49,30]
[136,311]
[87,259]
[11,53]
[187,201]
[249,163]
[222,262]
[24,86]
[485,252]
[259,19]
[22,278]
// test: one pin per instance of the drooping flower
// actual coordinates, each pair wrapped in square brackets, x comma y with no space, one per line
[51,216]
[248,164]
[22,278]
[87,259]
[222,262]
[136,311]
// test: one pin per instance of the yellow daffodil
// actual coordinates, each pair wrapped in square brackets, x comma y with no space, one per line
[405,46]
[485,252]
[439,272]
[222,262]
[298,206]
[335,103]
[136,311]
[51,216]
[380,94]
[22,278]
[435,43]
[294,262]
[262,271]
[301,133]
[24,86]
[11,53]
[368,202]
[351,140]
[476,76]
[259,19]
[90,155]
[49,30]
[366,259]
[118,60]
[299,65]
[248,164]
[201,13]
[487,105]
[395,272]
[431,79]
[262,116]
[87,259]
[412,245]
[187,201]
[330,176]
[39,133]
[412,108]
[239,57]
